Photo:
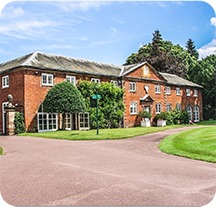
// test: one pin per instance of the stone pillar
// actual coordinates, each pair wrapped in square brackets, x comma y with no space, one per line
[10,114]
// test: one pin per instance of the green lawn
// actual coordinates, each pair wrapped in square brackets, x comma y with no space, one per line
[197,144]
[209,122]
[1,150]
[119,133]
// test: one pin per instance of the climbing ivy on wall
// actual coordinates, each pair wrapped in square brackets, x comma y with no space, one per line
[111,107]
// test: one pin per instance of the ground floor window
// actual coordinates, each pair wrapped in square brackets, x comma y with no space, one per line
[158,108]
[133,108]
[196,113]
[47,121]
[189,110]
[169,107]
[84,121]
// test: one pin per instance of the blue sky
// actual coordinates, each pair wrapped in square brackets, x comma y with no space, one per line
[104,31]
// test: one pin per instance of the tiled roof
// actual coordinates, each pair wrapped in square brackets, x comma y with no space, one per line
[58,62]
[176,80]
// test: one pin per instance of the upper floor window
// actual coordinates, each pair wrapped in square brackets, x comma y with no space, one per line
[169,107]
[158,108]
[157,89]
[95,80]
[114,82]
[168,90]
[195,93]
[178,92]
[5,81]
[71,79]
[188,92]
[132,87]
[47,79]
[133,108]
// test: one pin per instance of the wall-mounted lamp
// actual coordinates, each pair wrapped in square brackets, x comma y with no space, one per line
[36,73]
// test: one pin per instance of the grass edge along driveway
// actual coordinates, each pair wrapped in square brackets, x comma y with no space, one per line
[118,133]
[1,150]
[199,144]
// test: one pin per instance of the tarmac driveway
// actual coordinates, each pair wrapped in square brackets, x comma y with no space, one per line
[41,172]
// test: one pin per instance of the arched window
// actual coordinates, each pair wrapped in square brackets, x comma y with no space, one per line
[47,121]
[189,110]
[196,113]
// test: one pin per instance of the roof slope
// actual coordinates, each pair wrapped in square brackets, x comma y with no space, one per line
[59,62]
[176,80]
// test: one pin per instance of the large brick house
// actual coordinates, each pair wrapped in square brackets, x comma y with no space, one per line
[29,78]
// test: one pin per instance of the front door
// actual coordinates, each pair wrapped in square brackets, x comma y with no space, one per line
[147,108]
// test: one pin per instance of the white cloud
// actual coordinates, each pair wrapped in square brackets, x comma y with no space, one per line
[208,49]
[20,29]
[11,12]
[114,31]
[117,20]
[83,6]
[213,21]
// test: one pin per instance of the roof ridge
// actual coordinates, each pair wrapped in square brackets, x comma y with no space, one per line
[80,59]
[26,62]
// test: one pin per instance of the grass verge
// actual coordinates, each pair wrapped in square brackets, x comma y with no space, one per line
[119,133]
[1,150]
[199,144]
[209,122]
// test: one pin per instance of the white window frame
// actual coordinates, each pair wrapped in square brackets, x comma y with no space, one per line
[71,79]
[195,93]
[157,89]
[188,92]
[196,113]
[178,91]
[5,81]
[133,108]
[158,108]
[178,106]
[47,75]
[95,80]
[84,121]
[115,82]
[45,119]
[169,107]
[189,110]
[133,87]
[168,90]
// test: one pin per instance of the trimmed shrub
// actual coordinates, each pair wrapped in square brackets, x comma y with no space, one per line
[144,114]
[19,123]
[184,117]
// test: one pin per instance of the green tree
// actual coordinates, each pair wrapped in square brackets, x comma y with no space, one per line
[203,73]
[191,48]
[163,56]
[64,98]
[111,107]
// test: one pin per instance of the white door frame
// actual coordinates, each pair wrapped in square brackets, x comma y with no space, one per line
[3,112]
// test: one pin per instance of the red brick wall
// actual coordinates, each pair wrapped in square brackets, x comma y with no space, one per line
[35,93]
[16,89]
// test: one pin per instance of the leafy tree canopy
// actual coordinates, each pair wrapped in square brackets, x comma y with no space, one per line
[111,107]
[163,55]
[64,98]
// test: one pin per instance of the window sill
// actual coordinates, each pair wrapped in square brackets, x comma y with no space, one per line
[5,87]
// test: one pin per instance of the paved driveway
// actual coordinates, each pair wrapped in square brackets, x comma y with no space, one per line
[41,172]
